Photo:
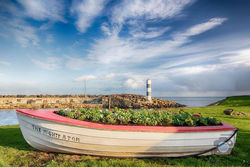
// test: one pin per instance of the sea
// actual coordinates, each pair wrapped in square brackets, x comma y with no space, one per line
[8,117]
[193,101]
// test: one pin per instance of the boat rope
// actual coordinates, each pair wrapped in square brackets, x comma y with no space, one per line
[211,149]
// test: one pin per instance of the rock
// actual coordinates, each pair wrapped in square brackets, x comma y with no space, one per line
[240,114]
[93,101]
[135,101]
[31,101]
[228,111]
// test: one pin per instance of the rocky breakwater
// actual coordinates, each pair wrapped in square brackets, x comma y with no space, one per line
[136,101]
[45,101]
[68,101]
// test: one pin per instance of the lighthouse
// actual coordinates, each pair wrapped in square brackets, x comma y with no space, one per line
[148,86]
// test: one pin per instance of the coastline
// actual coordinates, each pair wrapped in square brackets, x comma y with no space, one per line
[228,98]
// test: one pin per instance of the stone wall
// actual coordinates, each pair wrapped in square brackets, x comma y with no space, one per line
[34,102]
[68,101]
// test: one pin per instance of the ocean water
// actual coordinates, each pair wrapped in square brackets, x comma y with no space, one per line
[194,101]
[8,117]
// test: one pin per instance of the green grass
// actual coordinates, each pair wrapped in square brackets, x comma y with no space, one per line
[236,101]
[14,151]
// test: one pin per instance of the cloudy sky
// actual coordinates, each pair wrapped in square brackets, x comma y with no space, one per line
[187,47]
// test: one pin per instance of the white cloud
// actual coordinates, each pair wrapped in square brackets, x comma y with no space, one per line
[174,64]
[23,33]
[191,70]
[15,27]
[211,62]
[176,60]
[134,83]
[240,57]
[111,49]
[150,33]
[201,28]
[135,14]
[75,63]
[51,63]
[9,7]
[128,50]
[5,63]
[44,9]
[216,74]
[220,61]
[46,26]
[109,76]
[151,9]
[105,28]
[14,23]
[86,11]
[85,78]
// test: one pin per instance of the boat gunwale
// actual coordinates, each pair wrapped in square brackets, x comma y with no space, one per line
[51,116]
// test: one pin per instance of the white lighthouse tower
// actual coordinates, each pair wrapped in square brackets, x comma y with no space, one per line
[148,86]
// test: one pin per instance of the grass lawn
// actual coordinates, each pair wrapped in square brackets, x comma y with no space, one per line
[236,101]
[14,151]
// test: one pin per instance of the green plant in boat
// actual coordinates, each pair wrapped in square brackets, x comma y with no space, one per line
[143,117]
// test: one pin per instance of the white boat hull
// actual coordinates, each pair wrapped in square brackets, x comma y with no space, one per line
[51,136]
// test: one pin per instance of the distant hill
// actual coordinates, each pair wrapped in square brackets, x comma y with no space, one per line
[232,101]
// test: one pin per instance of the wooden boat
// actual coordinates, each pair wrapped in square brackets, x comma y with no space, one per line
[47,131]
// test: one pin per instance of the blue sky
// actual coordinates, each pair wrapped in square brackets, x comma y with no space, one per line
[187,47]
